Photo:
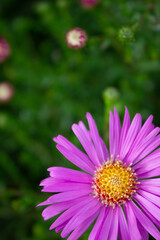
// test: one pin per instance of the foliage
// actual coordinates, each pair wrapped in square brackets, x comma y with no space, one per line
[55,86]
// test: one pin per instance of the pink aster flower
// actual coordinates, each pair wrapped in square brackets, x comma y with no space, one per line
[4,49]
[76,38]
[88,3]
[6,91]
[119,189]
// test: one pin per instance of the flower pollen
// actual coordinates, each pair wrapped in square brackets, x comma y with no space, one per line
[114,183]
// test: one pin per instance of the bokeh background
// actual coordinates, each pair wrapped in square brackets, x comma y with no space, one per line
[55,86]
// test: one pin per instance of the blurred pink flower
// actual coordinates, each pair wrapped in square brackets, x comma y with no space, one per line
[76,38]
[4,49]
[89,3]
[6,91]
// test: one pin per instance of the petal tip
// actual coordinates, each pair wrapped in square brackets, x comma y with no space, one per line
[54,139]
[40,204]
[88,115]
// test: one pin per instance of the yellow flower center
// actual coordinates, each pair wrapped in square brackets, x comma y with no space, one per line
[114,183]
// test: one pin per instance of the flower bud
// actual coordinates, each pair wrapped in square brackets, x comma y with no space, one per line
[126,35]
[6,91]
[4,49]
[76,38]
[88,3]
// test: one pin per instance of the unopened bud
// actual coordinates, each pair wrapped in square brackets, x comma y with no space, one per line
[76,38]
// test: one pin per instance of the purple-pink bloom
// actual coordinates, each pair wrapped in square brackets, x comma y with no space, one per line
[89,3]
[76,38]
[4,49]
[119,189]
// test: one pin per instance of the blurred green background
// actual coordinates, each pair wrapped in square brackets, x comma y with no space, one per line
[55,86]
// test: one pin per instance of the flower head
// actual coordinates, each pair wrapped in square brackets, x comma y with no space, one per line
[119,188]
[88,3]
[6,91]
[76,38]
[126,35]
[4,49]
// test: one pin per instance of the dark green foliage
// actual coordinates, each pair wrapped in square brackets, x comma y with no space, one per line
[55,86]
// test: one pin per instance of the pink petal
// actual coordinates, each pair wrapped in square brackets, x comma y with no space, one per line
[114,133]
[96,138]
[151,147]
[85,130]
[66,196]
[145,221]
[153,209]
[50,180]
[75,159]
[117,132]
[82,228]
[153,173]
[153,190]
[113,233]
[65,187]
[98,225]
[125,127]
[55,209]
[131,135]
[71,147]
[152,218]
[147,159]
[132,222]
[68,214]
[155,163]
[111,134]
[148,163]
[66,174]
[87,144]
[123,227]
[105,150]
[144,131]
[60,227]
[107,224]
[151,182]
[81,215]
[144,233]
[149,196]
[140,147]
